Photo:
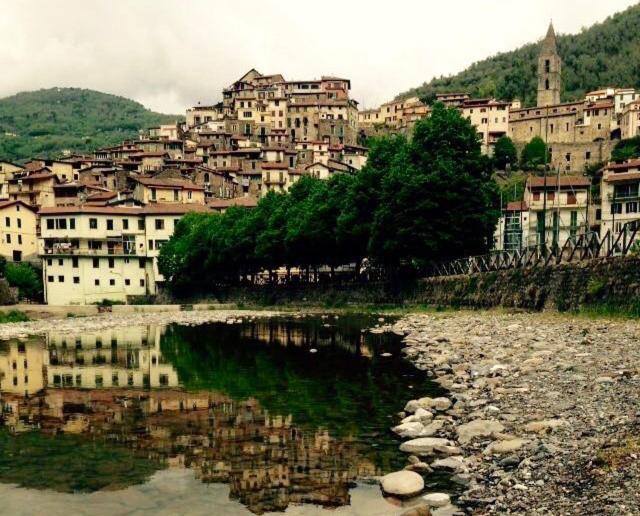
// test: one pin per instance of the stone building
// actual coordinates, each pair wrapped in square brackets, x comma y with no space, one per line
[549,70]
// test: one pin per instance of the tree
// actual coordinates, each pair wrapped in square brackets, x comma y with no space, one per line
[438,199]
[26,279]
[504,153]
[534,153]
[626,149]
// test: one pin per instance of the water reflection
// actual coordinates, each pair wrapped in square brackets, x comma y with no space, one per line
[247,405]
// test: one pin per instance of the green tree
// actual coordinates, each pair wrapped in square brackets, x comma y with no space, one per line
[438,199]
[504,153]
[626,149]
[534,154]
[26,278]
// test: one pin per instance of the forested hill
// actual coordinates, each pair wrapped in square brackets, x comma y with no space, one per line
[47,122]
[606,54]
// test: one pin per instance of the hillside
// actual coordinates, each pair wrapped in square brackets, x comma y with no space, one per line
[606,54]
[46,122]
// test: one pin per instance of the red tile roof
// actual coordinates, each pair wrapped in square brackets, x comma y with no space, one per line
[247,202]
[552,182]
[517,206]
[168,183]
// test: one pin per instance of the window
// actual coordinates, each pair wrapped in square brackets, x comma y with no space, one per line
[49,279]
[536,196]
[125,223]
[112,282]
[96,263]
[60,279]
[551,196]
[49,262]
[19,223]
[7,222]
[76,280]
[109,224]
[616,208]
[142,283]
[96,282]
[141,263]
[189,194]
[8,239]
[546,84]
[93,223]
[60,261]
[19,239]
[571,198]
[587,155]
[115,381]
[61,223]
[112,263]
[150,245]
[72,223]
[50,223]
[141,224]
[153,194]
[127,282]
[176,195]
[159,224]
[74,262]
[631,207]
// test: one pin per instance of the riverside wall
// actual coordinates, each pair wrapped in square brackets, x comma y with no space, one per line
[612,283]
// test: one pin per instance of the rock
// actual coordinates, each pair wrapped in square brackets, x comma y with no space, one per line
[509,446]
[424,445]
[478,428]
[441,403]
[431,429]
[413,429]
[402,484]
[453,464]
[422,510]
[436,499]
[546,425]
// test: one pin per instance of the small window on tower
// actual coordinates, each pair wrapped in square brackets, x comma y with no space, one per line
[546,84]
[547,68]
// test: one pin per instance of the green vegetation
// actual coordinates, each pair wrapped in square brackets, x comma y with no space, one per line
[26,278]
[69,463]
[533,154]
[418,201]
[626,149]
[13,316]
[46,122]
[607,53]
[505,153]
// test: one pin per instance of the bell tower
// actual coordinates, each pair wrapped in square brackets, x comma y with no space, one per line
[549,67]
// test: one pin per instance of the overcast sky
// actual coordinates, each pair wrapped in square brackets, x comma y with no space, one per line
[170,54]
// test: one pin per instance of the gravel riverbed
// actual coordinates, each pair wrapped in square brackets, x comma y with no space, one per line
[544,413]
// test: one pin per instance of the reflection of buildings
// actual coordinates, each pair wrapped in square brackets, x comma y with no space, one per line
[125,357]
[267,462]
[21,367]
[305,335]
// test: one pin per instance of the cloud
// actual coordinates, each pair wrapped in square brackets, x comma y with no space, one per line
[170,54]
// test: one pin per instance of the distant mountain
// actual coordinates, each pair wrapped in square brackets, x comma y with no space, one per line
[44,123]
[606,54]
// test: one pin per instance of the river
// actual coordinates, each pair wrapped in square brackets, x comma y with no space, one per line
[283,414]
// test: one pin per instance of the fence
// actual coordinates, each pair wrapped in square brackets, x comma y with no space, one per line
[586,246]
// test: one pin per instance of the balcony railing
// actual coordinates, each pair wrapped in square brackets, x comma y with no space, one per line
[622,198]
[85,251]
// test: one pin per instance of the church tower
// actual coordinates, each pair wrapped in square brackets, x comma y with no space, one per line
[549,65]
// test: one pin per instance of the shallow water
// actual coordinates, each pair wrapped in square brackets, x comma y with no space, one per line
[285,414]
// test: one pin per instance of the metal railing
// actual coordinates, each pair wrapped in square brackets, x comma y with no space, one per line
[585,246]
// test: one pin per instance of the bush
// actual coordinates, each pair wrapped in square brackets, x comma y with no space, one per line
[13,316]
[26,278]
[108,302]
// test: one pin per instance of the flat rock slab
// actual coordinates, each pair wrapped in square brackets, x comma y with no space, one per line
[424,445]
[402,484]
[478,428]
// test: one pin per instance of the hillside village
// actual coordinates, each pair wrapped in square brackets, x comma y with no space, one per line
[96,222]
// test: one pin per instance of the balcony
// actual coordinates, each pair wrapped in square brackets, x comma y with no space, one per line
[622,198]
[85,251]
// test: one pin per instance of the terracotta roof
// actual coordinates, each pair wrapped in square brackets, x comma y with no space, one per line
[623,176]
[517,206]
[6,204]
[247,202]
[634,163]
[274,166]
[167,183]
[552,182]
[158,209]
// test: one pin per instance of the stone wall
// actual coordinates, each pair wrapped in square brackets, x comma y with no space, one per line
[574,157]
[611,283]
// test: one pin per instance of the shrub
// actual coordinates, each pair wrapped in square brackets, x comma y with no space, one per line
[13,316]
[26,278]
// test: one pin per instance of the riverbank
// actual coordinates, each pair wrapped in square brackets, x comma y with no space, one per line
[544,409]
